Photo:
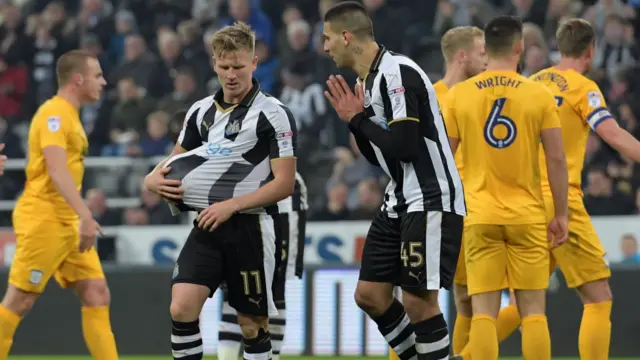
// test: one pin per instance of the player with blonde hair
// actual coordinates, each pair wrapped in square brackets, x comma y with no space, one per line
[55,231]
[233,162]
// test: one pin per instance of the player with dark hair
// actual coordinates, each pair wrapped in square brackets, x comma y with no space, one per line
[582,109]
[506,231]
[414,241]
[55,231]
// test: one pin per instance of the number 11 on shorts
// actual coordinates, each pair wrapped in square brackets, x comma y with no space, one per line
[247,277]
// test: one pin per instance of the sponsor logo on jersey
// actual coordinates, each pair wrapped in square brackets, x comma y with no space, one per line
[218,150]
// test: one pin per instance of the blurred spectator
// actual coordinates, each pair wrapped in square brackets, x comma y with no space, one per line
[452,13]
[629,247]
[193,51]
[290,15]
[336,207]
[12,181]
[601,198]
[304,97]
[613,51]
[158,210]
[535,60]
[62,28]
[13,146]
[156,141]
[139,63]
[267,67]
[528,10]
[97,203]
[43,54]
[170,50]
[14,42]
[125,25]
[127,119]
[351,167]
[205,12]
[13,86]
[370,200]
[185,92]
[136,217]
[299,51]
[96,16]
[244,10]
[533,36]
[598,13]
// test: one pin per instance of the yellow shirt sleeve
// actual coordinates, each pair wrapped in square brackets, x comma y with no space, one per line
[52,130]
[551,116]
[449,115]
[592,106]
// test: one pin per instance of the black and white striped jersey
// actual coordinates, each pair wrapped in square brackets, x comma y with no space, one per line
[403,132]
[296,202]
[229,148]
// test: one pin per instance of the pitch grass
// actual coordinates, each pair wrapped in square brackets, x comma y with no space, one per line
[141,357]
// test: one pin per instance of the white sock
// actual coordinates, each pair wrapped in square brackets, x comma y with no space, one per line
[277,326]
[229,334]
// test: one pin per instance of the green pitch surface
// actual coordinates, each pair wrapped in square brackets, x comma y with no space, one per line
[213,357]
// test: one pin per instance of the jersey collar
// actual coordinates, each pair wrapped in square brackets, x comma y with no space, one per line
[376,60]
[247,100]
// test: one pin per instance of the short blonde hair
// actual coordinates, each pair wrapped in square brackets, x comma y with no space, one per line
[238,36]
[74,61]
[574,37]
[458,38]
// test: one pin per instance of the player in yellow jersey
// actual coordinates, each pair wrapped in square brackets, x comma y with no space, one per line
[55,231]
[499,130]
[582,107]
[464,53]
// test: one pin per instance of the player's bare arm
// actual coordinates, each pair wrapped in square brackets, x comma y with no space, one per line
[56,160]
[281,187]
[155,181]
[619,139]
[559,182]
[401,141]
[3,160]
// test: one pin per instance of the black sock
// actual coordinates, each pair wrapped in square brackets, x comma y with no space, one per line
[186,341]
[432,338]
[396,328]
[258,348]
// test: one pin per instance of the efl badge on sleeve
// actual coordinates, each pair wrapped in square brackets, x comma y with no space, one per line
[53,123]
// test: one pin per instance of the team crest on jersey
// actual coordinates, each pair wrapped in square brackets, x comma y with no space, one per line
[594,98]
[35,277]
[53,123]
[232,128]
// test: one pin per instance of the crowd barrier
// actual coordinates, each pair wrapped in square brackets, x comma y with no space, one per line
[327,243]
[322,316]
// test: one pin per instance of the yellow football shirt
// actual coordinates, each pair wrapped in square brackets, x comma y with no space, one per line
[499,128]
[581,105]
[56,123]
[441,93]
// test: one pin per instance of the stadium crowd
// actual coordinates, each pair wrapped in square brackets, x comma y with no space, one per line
[156,59]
